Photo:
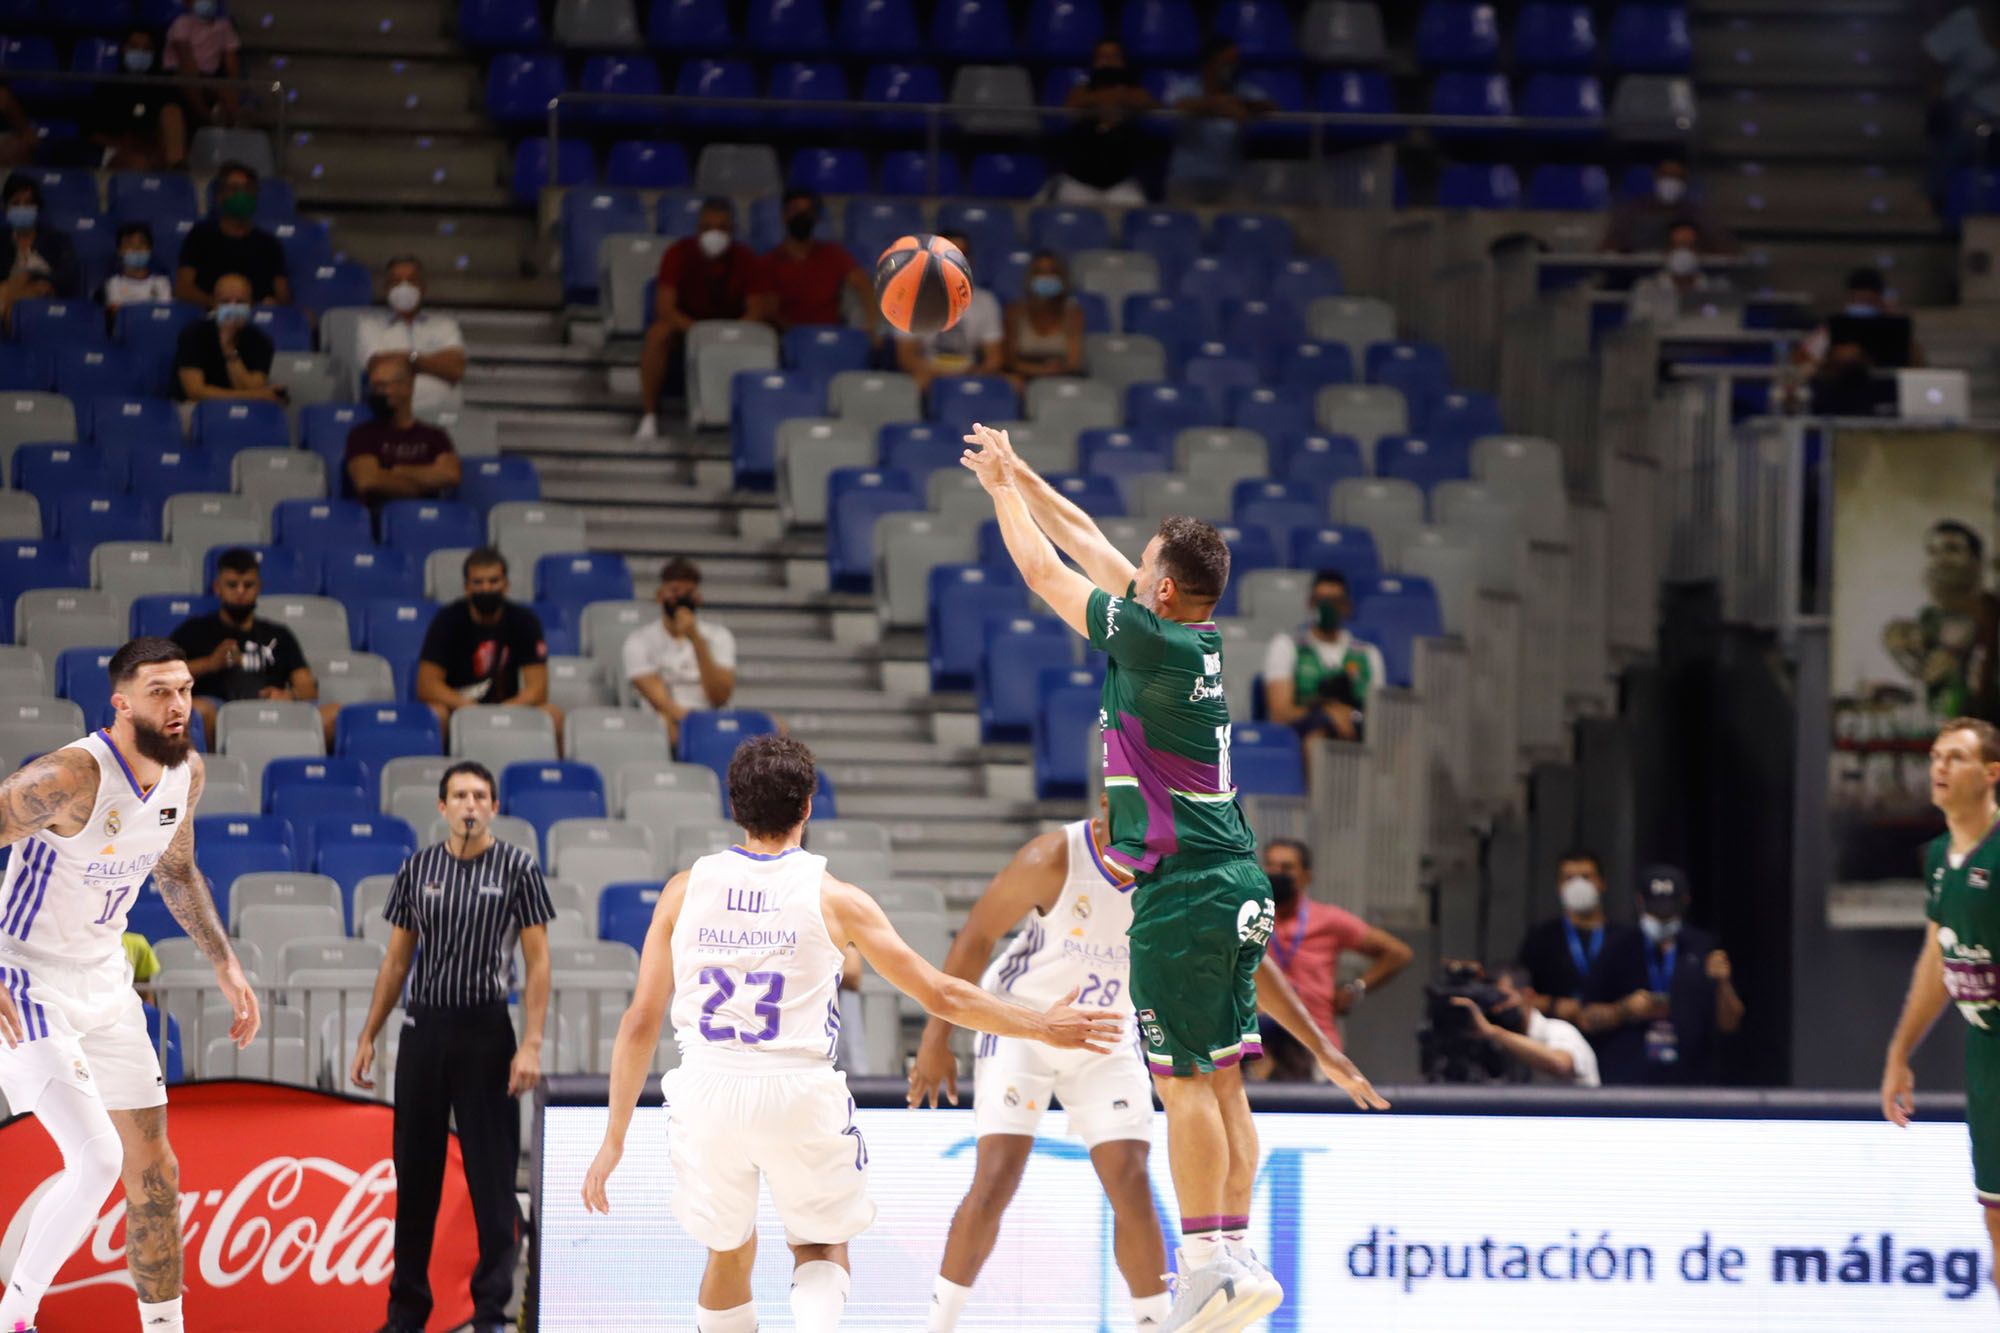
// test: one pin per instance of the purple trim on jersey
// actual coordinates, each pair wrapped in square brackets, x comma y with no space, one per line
[1204,625]
[34,1021]
[144,794]
[1017,966]
[24,874]
[29,889]
[1122,883]
[765,856]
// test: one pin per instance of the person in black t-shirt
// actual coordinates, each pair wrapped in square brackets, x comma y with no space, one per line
[1104,146]
[141,126]
[232,242]
[234,655]
[1559,952]
[225,356]
[484,649]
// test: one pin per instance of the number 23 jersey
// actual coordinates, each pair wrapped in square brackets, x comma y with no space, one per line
[1080,944]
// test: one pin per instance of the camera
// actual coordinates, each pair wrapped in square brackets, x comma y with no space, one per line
[1449,1047]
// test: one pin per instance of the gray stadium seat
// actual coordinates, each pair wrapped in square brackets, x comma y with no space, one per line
[20,517]
[23,684]
[994,99]
[275,1059]
[606,625]
[214,145]
[1195,445]
[1343,32]
[577,682]
[1488,520]
[627,264]
[955,495]
[1653,106]
[1060,403]
[907,547]
[229,798]
[1274,597]
[609,737]
[36,726]
[474,433]
[354,678]
[190,515]
[1528,470]
[1154,495]
[1115,275]
[308,378]
[42,711]
[809,449]
[872,399]
[1045,449]
[1122,359]
[328,953]
[178,953]
[662,810]
[496,736]
[716,350]
[1128,536]
[371,895]
[510,829]
[1243,647]
[664,775]
[320,623]
[1452,567]
[134,569]
[16,660]
[52,620]
[569,837]
[411,770]
[596,25]
[591,868]
[1388,507]
[279,888]
[1365,411]
[259,730]
[271,926]
[1354,320]
[341,335]
[694,841]
[444,573]
[415,803]
[900,900]
[526,530]
[738,169]
[33,418]
[268,476]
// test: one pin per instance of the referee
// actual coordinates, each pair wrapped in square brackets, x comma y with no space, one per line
[456,910]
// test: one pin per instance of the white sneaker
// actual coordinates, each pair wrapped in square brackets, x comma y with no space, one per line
[649,428]
[1258,1292]
[1204,1297]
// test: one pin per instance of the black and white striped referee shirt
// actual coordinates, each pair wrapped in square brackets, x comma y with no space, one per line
[466,915]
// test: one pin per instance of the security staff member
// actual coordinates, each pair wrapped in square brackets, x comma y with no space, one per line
[456,910]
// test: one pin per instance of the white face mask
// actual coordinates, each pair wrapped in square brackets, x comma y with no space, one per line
[1579,895]
[405,297]
[714,242]
[1683,263]
[1670,189]
[1659,930]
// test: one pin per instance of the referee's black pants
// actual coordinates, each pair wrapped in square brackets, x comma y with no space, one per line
[453,1062]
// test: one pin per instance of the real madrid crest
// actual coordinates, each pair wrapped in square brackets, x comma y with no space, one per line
[1082,907]
[111,824]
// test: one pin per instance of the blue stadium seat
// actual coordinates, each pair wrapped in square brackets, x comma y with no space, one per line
[308,770]
[519,86]
[1464,416]
[918,448]
[1555,36]
[1219,376]
[900,83]
[321,525]
[1267,490]
[1303,279]
[1393,613]
[347,283]
[1017,648]
[829,170]
[1344,547]
[1177,322]
[972,32]
[68,191]
[298,803]
[174,1060]
[85,518]
[958,401]
[323,429]
[529,777]
[1171,236]
[1568,97]
[1006,176]
[283,570]
[1458,34]
[501,25]
[96,249]
[419,527]
[1569,187]
[363,574]
[1650,38]
[146,196]
[1266,760]
[1249,549]
[1160,32]
[1259,237]
[709,737]
[879,29]
[81,679]
[84,373]
[908,171]
[713,77]
[286,326]
[624,76]
[1322,461]
[788,28]
[872,225]
[49,470]
[150,917]
[1063,31]
[48,323]
[1261,29]
[349,861]
[1462,185]
[27,565]
[1097,496]
[625,912]
[588,216]
[1422,460]
[485,482]
[1067,230]
[226,846]
[376,733]
[646,164]
[1214,279]
[582,577]
[1356,92]
[226,427]
[121,421]
[1280,413]
[856,497]
[1113,452]
[21,54]
[1260,327]
[825,352]
[1418,369]
[395,627]
[1066,711]
[1096,310]
[158,470]
[1314,365]
[559,632]
[760,402]
[690,25]
[1462,93]
[961,597]
[1165,407]
[543,808]
[151,332]
[534,171]
[25,370]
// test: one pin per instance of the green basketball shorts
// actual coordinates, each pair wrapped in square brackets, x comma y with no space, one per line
[1199,927]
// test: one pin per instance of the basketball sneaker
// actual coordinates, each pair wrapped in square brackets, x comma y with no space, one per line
[1258,1293]
[1205,1297]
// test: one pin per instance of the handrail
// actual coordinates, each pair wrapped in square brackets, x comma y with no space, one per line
[276,87]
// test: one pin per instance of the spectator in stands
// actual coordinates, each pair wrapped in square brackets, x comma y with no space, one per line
[1044,334]
[232,242]
[1208,151]
[484,649]
[1104,140]
[431,345]
[140,126]
[1317,678]
[1549,1048]
[1307,944]
[135,282]
[973,346]
[20,137]
[1558,954]
[392,455]
[145,963]
[41,261]
[203,41]
[804,279]
[225,355]
[1840,359]
[1660,998]
[683,662]
[1663,297]
[1640,225]
[709,275]
[234,655]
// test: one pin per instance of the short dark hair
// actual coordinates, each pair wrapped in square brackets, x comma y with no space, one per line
[474,767]
[1582,854]
[1867,280]
[1194,556]
[483,557]
[1305,852]
[235,168]
[1330,576]
[19,181]
[771,782]
[1215,46]
[680,569]
[717,203]
[237,560]
[146,650]
[397,261]
[135,229]
[1685,224]
[798,192]
[1963,533]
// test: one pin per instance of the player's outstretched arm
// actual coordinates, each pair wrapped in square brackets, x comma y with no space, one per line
[853,916]
[1031,881]
[1066,591]
[1277,998]
[1074,532]
[60,788]
[189,897]
[638,1035]
[1925,1000]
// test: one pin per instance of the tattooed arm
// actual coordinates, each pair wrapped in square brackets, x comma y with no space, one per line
[192,902]
[56,792]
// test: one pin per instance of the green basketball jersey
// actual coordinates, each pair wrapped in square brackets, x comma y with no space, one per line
[1166,737]
[1964,900]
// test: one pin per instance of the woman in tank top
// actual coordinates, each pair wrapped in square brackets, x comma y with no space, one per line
[1045,330]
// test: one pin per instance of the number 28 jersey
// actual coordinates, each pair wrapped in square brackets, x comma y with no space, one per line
[755,971]
[1079,944]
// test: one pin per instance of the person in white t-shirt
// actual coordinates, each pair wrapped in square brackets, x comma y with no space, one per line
[683,662]
[433,344]
[135,282]
[1553,1050]
[973,346]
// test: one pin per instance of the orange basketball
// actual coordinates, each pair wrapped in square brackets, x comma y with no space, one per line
[923,284]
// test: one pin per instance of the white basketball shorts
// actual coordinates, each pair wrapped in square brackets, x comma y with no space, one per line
[1107,1096]
[84,1026]
[792,1127]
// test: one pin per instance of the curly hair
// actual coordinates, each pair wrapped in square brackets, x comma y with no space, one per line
[771,781]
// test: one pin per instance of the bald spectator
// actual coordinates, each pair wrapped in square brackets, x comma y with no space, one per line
[709,275]
[431,344]
[225,356]
[392,455]
[232,242]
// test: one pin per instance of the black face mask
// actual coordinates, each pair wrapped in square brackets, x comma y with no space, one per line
[1284,889]
[486,603]
[379,405]
[801,225]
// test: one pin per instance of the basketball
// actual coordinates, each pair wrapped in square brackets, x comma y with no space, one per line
[923,284]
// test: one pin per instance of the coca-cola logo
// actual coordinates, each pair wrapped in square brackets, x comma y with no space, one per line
[288,1205]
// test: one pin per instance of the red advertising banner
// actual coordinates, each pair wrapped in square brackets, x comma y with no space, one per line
[288,1206]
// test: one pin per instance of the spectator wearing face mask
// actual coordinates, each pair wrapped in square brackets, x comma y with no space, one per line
[1839,360]
[683,662]
[1104,140]
[232,654]
[1208,150]
[202,40]
[484,650]
[232,242]
[432,344]
[1558,954]
[140,126]
[1640,225]
[39,260]
[709,275]
[1550,1049]
[1663,297]
[976,345]
[1660,999]
[1317,678]
[805,280]
[1045,330]
[1307,944]
[225,355]
[393,455]
[135,282]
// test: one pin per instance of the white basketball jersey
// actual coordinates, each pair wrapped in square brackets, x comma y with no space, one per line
[754,969]
[67,898]
[1079,944]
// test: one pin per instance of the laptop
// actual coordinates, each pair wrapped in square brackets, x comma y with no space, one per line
[1933,395]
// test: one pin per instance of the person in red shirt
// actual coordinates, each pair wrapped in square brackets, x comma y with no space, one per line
[1307,944]
[804,278]
[709,275]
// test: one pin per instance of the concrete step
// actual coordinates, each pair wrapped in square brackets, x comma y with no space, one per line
[1746,122]
[780,674]
[825,702]
[883,807]
[979,833]
[430,170]
[870,750]
[495,328]
[1850,51]
[522,381]
[460,245]
[1923,272]
[1871,199]
[880,724]
[332,91]
[378,27]
[916,779]
[965,862]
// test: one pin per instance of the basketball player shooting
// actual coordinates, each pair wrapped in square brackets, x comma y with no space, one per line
[748,946]
[1202,911]
[88,823]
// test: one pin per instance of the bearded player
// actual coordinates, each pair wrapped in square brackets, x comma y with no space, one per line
[89,822]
